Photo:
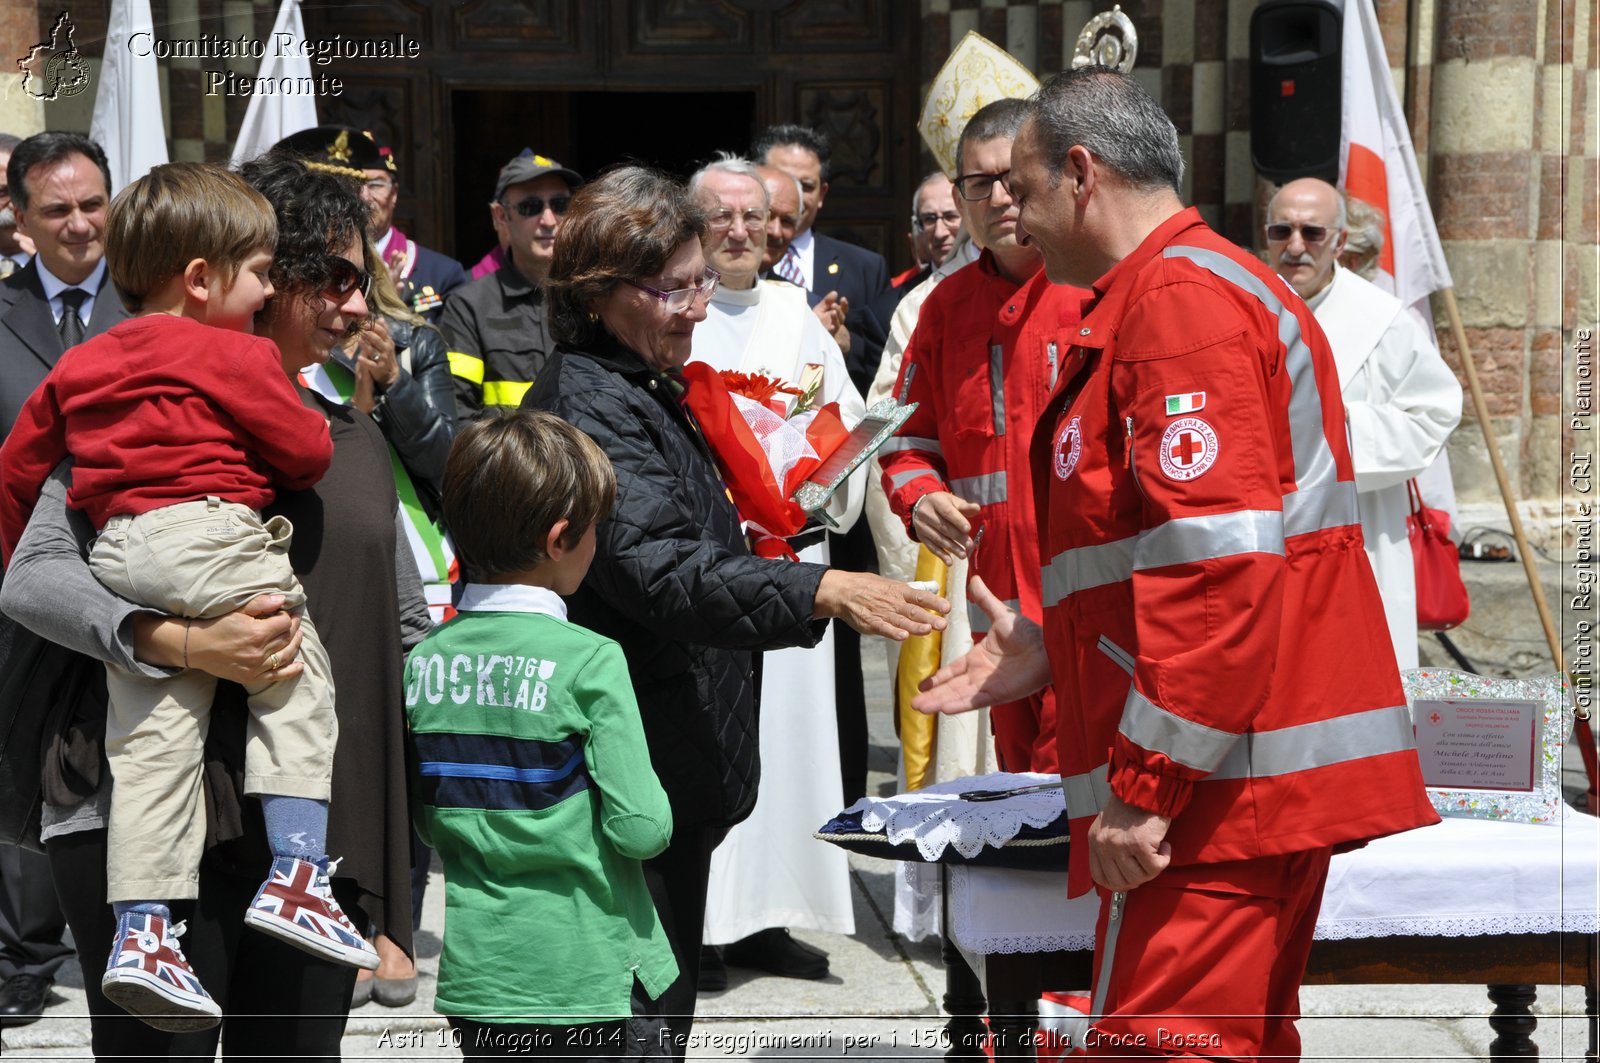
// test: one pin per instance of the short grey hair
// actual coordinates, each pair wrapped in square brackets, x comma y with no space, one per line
[1001,119]
[1111,115]
[799,189]
[728,162]
[916,197]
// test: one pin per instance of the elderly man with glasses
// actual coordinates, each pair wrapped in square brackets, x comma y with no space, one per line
[1400,399]
[987,348]
[934,225]
[496,324]
[769,874]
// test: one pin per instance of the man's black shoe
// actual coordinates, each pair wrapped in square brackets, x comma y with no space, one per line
[713,975]
[776,952]
[22,999]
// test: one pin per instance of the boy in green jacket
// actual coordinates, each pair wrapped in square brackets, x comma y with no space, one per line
[535,785]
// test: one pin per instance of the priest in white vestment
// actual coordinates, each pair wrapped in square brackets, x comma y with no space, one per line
[770,874]
[1401,399]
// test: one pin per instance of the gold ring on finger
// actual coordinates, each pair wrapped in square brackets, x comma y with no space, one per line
[272,662]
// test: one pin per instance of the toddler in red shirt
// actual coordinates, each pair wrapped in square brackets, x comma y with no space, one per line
[181,424]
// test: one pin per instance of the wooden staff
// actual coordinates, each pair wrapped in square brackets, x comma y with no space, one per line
[1481,408]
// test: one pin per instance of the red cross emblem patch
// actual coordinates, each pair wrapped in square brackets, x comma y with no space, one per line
[1069,448]
[1188,448]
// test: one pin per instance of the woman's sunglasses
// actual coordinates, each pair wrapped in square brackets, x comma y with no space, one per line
[345,277]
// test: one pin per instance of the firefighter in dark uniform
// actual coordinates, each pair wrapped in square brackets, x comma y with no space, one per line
[496,324]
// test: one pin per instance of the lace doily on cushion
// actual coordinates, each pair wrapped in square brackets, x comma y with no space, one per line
[936,817]
[998,910]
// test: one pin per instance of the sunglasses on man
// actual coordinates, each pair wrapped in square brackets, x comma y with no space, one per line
[1279,232]
[533,206]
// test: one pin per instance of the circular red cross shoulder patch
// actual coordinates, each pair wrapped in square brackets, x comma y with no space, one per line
[1188,448]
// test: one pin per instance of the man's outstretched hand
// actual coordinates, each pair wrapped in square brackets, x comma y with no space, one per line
[1007,665]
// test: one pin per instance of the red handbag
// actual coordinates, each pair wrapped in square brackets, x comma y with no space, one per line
[1442,601]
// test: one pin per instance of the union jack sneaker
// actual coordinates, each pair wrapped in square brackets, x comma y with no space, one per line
[295,904]
[147,976]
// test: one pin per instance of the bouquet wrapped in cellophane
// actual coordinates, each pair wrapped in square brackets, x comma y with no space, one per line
[768,437]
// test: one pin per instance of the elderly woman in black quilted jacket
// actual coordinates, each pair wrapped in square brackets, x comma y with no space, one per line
[673,580]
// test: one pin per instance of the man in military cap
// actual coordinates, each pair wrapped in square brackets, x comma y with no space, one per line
[422,276]
[496,324]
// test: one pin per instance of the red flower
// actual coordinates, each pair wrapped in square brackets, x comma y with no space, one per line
[755,386]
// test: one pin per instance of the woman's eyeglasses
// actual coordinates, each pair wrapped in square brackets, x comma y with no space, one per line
[345,277]
[680,299]
[1279,232]
[533,206]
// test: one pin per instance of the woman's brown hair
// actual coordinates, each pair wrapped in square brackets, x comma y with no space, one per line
[623,225]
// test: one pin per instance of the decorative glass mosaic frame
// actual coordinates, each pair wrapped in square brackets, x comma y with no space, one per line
[876,428]
[1543,803]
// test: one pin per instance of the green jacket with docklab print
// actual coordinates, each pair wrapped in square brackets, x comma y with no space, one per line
[535,788]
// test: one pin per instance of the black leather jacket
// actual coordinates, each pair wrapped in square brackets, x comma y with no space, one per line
[418,414]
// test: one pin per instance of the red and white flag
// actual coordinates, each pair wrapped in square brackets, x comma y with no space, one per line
[1377,164]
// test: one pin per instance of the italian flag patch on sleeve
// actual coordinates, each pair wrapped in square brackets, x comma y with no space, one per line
[1193,402]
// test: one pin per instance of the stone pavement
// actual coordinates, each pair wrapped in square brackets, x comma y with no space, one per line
[882,999]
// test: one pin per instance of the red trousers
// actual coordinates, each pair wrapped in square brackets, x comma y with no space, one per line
[1205,961]
[1025,733]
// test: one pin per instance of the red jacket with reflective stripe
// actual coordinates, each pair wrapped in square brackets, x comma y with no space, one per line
[1218,646]
[980,366]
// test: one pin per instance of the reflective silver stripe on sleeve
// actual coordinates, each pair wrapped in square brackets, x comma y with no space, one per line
[997,387]
[1194,745]
[1317,745]
[985,490]
[978,620]
[912,443]
[1263,754]
[1310,509]
[1313,458]
[1183,540]
[900,479]
[1088,793]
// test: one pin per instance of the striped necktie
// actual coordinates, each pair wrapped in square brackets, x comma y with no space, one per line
[788,267]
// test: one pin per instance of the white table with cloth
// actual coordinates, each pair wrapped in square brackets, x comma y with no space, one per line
[1466,900]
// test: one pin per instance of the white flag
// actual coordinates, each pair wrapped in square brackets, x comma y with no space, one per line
[127,104]
[1377,164]
[270,118]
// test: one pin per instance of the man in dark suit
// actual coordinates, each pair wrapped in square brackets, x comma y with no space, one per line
[831,271]
[60,189]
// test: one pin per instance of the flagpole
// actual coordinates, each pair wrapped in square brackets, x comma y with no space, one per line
[1481,408]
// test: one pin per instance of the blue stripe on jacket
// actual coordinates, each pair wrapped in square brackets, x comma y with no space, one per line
[498,772]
